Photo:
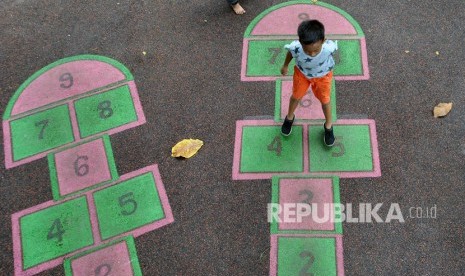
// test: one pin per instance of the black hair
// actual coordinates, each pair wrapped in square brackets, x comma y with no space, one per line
[311,31]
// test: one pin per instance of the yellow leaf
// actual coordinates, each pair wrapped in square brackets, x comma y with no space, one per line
[186,148]
[442,109]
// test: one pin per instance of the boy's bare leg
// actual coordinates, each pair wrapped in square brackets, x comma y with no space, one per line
[237,8]
[328,115]
[292,107]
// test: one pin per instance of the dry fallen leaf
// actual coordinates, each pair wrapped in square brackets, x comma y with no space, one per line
[442,109]
[407,51]
[186,148]
[437,53]
[144,53]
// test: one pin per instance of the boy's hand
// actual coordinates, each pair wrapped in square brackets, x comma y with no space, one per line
[284,70]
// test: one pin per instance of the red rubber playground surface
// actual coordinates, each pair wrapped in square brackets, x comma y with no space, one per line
[95,95]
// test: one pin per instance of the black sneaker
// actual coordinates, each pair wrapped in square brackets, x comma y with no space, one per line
[286,129]
[329,136]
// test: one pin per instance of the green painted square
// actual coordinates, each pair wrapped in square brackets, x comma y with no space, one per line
[265,149]
[55,231]
[348,58]
[128,205]
[41,131]
[303,255]
[265,58]
[105,111]
[351,151]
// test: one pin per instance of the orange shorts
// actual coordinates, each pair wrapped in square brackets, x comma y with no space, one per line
[321,86]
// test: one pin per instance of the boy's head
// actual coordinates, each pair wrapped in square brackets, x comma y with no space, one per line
[311,36]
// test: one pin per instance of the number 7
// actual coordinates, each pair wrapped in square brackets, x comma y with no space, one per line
[44,123]
[276,52]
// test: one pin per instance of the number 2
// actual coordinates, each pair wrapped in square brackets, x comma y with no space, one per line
[308,265]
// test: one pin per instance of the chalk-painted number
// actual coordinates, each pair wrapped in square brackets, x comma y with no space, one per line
[44,124]
[105,110]
[102,270]
[275,52]
[308,196]
[56,231]
[308,265]
[276,145]
[83,169]
[127,200]
[338,144]
[303,16]
[307,102]
[66,80]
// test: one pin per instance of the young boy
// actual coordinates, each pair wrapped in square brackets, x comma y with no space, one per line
[314,64]
[237,8]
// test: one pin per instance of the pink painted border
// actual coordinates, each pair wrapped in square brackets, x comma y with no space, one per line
[245,50]
[9,163]
[17,250]
[274,251]
[237,175]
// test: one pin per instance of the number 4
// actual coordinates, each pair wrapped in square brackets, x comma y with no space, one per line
[276,145]
[56,231]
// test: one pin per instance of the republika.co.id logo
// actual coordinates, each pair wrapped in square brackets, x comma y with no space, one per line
[337,212]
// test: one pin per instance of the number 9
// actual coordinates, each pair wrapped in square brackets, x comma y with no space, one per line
[66,77]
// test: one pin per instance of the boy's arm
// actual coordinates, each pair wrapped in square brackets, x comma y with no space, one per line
[288,59]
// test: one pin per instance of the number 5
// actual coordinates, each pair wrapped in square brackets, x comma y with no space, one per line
[125,200]
[340,145]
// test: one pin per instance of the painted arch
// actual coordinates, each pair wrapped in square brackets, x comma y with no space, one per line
[276,26]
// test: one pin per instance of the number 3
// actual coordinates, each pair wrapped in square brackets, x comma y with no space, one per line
[101,269]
